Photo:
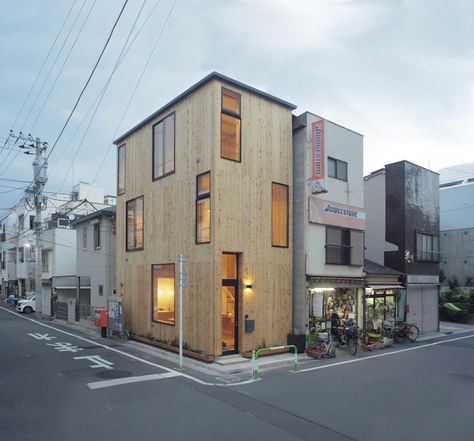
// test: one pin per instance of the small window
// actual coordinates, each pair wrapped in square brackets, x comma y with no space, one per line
[134,228]
[97,235]
[32,222]
[21,255]
[121,170]
[101,290]
[337,169]
[164,147]
[163,293]
[230,126]
[279,215]
[84,238]
[338,246]
[203,208]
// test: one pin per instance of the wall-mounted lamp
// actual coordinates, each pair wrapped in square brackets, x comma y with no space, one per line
[248,286]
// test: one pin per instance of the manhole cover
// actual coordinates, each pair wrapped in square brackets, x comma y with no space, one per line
[113,374]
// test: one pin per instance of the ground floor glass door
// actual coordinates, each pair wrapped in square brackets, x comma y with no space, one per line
[229,303]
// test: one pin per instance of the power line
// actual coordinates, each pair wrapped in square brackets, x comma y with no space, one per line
[44,63]
[63,65]
[88,81]
[135,89]
[101,95]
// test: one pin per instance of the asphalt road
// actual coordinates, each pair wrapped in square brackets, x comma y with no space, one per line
[58,384]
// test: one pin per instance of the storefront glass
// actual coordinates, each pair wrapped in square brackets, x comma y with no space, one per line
[325,301]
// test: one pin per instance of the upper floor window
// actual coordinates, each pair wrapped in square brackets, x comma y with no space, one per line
[21,222]
[32,222]
[134,228]
[45,261]
[427,248]
[230,126]
[97,235]
[164,147]
[337,169]
[121,170]
[279,215]
[84,238]
[344,247]
[203,208]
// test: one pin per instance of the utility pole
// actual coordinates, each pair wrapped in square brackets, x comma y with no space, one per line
[35,192]
[40,170]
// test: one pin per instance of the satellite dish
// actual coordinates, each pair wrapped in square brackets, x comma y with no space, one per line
[317,187]
[71,217]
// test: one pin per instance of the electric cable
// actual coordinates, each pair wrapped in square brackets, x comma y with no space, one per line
[134,90]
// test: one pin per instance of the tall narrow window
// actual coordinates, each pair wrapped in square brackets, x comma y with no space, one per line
[164,147]
[97,236]
[230,126]
[121,170]
[84,238]
[279,215]
[135,224]
[203,208]
[163,293]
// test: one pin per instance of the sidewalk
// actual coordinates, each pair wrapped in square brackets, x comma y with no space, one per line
[447,328]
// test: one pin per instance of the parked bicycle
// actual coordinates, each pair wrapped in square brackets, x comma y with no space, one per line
[345,334]
[403,331]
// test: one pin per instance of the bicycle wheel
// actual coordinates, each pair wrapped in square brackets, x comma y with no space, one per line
[398,336]
[364,338]
[413,332]
[352,346]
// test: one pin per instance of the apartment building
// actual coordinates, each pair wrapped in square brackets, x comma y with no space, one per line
[208,176]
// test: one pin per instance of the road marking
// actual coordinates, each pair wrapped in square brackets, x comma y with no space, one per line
[128,380]
[39,336]
[64,347]
[96,343]
[386,354]
[97,360]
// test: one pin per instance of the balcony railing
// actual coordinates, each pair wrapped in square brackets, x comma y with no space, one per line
[338,254]
[428,256]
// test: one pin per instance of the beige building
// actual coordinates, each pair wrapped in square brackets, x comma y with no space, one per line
[208,176]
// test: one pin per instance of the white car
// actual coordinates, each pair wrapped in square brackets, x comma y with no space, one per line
[27,305]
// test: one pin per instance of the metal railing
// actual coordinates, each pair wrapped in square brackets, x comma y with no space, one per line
[255,354]
[338,254]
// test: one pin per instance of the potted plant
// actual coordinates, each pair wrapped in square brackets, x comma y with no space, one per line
[373,315]
[313,344]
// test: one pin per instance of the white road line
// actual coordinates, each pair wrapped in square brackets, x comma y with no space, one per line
[385,354]
[128,380]
[190,377]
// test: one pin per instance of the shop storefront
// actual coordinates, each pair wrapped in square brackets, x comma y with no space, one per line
[345,301]
[384,303]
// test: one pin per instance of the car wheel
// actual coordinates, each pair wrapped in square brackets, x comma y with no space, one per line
[28,310]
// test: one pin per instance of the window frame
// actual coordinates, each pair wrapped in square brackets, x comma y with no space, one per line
[153,177]
[330,158]
[96,227]
[153,296]
[123,146]
[342,246]
[234,115]
[287,214]
[84,238]
[200,198]
[422,254]
[127,249]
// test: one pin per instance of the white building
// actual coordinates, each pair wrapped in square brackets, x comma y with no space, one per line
[456,198]
[328,221]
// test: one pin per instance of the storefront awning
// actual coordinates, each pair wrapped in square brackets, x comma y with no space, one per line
[383,287]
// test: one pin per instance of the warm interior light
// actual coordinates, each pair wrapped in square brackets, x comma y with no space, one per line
[322,289]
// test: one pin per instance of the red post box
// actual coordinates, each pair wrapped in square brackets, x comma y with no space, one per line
[101,317]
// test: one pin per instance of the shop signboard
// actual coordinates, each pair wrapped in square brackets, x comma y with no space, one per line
[317,159]
[333,213]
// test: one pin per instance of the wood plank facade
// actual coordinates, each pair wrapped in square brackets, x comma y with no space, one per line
[241,219]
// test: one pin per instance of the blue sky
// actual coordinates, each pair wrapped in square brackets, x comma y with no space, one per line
[399,72]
